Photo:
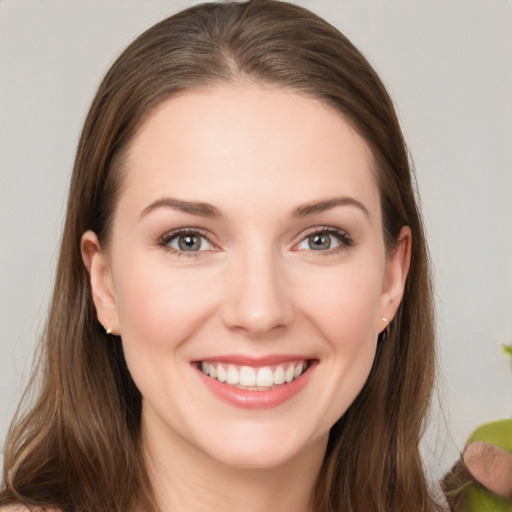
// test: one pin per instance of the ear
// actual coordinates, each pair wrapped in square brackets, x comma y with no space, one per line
[397,268]
[102,286]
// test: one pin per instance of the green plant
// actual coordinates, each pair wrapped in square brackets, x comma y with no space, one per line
[507,349]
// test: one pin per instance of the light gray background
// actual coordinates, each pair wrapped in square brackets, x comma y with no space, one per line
[448,66]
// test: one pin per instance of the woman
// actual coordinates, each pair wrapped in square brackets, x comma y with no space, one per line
[242,315]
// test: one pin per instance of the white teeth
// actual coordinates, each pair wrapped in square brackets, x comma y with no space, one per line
[232,376]
[265,377]
[250,377]
[279,375]
[222,376]
[247,376]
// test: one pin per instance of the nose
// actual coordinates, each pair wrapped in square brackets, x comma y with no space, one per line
[258,299]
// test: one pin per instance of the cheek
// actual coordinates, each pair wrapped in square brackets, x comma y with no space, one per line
[345,304]
[159,308]
[159,312]
[345,311]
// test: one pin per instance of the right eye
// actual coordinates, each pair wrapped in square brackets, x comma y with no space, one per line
[186,241]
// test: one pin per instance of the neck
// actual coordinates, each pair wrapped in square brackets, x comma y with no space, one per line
[185,479]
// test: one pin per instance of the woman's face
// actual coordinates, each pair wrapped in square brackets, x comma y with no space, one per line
[247,245]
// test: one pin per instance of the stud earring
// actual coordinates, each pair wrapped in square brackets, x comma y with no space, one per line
[384,334]
[108,331]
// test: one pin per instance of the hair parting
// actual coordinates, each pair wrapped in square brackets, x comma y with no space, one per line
[68,446]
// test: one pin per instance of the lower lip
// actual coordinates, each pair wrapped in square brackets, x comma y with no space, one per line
[247,399]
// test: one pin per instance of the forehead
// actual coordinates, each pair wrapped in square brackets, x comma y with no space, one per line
[255,143]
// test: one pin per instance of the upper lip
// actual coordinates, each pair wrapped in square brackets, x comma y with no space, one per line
[256,361]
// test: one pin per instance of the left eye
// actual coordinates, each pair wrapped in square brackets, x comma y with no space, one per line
[189,242]
[323,241]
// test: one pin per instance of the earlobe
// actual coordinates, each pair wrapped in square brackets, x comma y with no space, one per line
[397,269]
[102,287]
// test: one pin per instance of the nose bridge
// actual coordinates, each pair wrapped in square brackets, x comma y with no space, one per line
[258,299]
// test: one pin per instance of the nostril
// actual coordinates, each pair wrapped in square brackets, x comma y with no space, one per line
[257,307]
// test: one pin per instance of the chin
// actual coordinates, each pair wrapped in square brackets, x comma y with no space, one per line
[261,448]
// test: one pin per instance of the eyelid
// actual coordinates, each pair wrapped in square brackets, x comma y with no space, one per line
[343,237]
[165,239]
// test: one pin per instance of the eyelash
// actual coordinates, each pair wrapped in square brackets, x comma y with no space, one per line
[168,237]
[344,239]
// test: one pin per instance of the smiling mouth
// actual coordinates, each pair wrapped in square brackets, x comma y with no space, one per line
[254,379]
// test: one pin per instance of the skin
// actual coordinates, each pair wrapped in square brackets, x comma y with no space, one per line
[256,288]
[491,466]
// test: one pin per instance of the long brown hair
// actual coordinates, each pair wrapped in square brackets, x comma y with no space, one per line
[77,447]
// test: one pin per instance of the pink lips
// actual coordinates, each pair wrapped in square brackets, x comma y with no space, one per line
[254,399]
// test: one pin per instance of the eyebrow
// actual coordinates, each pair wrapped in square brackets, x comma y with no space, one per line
[190,207]
[327,204]
[207,210]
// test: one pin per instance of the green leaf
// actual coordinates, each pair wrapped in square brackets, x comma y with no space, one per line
[507,349]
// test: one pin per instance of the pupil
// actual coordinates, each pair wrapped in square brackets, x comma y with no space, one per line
[319,241]
[189,243]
